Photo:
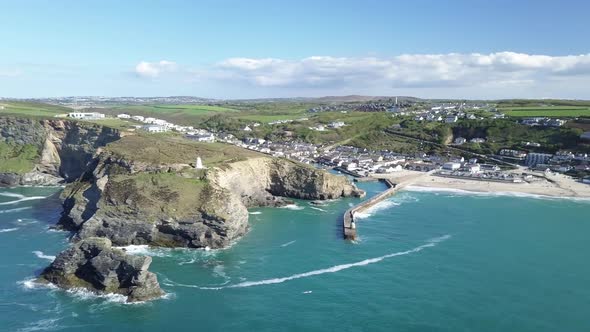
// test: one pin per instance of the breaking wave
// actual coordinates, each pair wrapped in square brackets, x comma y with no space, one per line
[86,295]
[256,212]
[288,243]
[13,195]
[15,209]
[32,283]
[292,207]
[41,255]
[23,199]
[145,250]
[6,230]
[383,205]
[430,243]
[317,208]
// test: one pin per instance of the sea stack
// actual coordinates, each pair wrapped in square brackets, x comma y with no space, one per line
[95,265]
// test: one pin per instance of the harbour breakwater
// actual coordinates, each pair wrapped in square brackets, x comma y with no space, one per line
[348,220]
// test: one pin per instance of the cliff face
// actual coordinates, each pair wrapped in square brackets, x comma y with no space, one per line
[257,181]
[175,205]
[64,148]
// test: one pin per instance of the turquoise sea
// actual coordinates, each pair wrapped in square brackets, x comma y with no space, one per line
[425,261]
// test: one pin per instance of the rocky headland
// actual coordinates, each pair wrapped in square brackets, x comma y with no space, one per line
[145,189]
[159,198]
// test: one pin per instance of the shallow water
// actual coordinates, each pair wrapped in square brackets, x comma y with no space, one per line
[425,261]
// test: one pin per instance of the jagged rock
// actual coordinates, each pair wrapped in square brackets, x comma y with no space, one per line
[95,265]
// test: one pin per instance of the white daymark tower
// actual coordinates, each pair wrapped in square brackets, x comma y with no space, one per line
[199,164]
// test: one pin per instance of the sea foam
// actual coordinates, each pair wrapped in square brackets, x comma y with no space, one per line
[13,195]
[23,199]
[292,207]
[145,250]
[288,243]
[15,209]
[430,243]
[41,255]
[6,230]
[383,205]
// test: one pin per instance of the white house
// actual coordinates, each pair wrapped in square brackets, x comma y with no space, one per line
[336,124]
[477,140]
[86,116]
[138,118]
[155,129]
[247,128]
[124,116]
[451,119]
[205,138]
[473,168]
[451,166]
[460,140]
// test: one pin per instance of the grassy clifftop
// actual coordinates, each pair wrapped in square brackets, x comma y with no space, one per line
[167,149]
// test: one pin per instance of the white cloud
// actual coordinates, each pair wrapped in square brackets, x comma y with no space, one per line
[154,69]
[408,70]
[461,75]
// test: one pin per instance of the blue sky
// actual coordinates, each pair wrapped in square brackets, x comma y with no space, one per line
[247,49]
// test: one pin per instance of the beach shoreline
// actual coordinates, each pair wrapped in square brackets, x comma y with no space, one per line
[544,185]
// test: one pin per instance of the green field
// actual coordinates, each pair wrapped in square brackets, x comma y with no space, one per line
[547,111]
[32,109]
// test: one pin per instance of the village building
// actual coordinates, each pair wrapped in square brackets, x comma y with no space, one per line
[460,140]
[534,159]
[154,129]
[86,116]
[450,166]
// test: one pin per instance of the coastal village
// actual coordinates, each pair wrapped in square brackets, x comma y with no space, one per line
[362,163]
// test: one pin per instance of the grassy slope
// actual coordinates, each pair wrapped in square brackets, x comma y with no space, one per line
[16,158]
[167,149]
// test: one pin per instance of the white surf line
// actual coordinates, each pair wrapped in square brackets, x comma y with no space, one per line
[15,209]
[41,255]
[6,230]
[23,200]
[333,269]
[288,243]
[317,208]
[14,195]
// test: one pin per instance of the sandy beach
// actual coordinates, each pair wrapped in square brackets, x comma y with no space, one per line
[553,185]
